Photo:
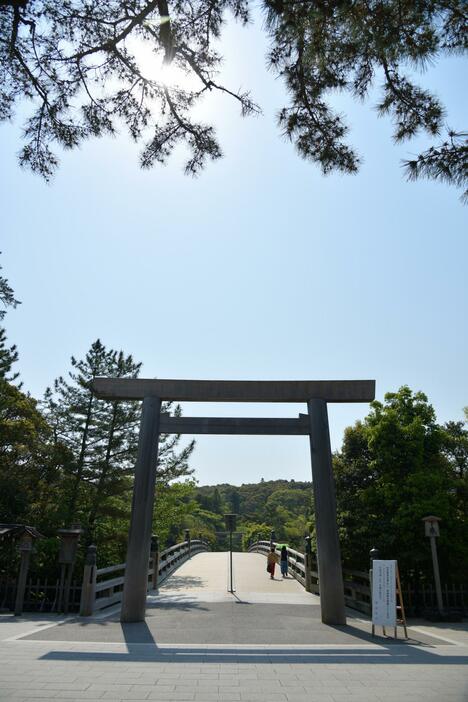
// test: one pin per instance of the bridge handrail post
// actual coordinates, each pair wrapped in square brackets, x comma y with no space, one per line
[88,590]
[155,558]
[187,540]
[308,564]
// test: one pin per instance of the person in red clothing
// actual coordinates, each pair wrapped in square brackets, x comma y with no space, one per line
[272,560]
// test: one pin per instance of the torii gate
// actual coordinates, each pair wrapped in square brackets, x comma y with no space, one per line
[316,393]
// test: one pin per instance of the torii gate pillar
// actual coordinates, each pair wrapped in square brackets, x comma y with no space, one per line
[328,546]
[141,520]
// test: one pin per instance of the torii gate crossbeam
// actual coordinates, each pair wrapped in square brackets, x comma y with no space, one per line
[316,393]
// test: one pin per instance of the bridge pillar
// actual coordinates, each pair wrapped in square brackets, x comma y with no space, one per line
[328,546]
[139,537]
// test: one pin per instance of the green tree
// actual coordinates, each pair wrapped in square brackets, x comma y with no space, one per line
[321,48]
[234,500]
[455,448]
[32,466]
[254,531]
[295,530]
[87,59]
[216,502]
[173,504]
[8,354]
[7,295]
[294,501]
[102,437]
[79,419]
[83,66]
[391,473]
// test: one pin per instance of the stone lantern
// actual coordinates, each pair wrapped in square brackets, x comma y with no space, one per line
[69,539]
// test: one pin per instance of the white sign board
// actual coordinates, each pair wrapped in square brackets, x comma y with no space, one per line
[384,593]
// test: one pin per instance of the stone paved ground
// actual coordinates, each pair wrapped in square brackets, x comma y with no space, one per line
[40,660]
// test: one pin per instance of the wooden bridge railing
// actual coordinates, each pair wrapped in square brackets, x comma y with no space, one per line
[356,583]
[100,591]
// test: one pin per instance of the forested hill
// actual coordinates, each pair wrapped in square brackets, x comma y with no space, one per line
[283,505]
[257,500]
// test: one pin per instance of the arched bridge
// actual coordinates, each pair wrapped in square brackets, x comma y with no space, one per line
[188,600]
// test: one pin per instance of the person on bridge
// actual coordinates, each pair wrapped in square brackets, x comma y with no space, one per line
[272,560]
[284,561]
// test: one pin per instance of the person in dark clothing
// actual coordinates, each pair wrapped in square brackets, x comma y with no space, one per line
[284,562]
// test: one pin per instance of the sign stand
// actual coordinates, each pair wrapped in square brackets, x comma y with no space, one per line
[400,607]
[387,598]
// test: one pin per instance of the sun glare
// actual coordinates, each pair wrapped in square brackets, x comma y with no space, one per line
[174,77]
[153,67]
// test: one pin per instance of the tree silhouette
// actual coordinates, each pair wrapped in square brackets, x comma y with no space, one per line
[81,64]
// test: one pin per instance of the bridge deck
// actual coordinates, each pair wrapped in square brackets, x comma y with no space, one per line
[205,578]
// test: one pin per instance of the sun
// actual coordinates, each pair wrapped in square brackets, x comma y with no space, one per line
[153,68]
[172,76]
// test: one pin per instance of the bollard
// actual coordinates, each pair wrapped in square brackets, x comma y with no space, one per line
[88,590]
[155,557]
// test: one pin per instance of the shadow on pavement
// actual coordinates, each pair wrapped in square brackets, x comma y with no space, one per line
[181,582]
[364,635]
[395,654]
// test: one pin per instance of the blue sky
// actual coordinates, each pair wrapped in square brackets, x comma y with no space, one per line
[259,269]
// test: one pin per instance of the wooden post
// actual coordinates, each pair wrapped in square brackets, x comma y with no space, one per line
[435,565]
[68,581]
[328,546]
[61,587]
[88,588]
[374,555]
[155,557]
[22,577]
[139,538]
[308,564]
[189,543]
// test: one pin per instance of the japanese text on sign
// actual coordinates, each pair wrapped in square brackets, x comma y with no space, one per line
[383,593]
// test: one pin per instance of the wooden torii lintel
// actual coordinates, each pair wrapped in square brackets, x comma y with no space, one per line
[234,390]
[234,425]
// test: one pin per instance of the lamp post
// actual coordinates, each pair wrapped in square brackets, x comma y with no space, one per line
[431,528]
[230,520]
